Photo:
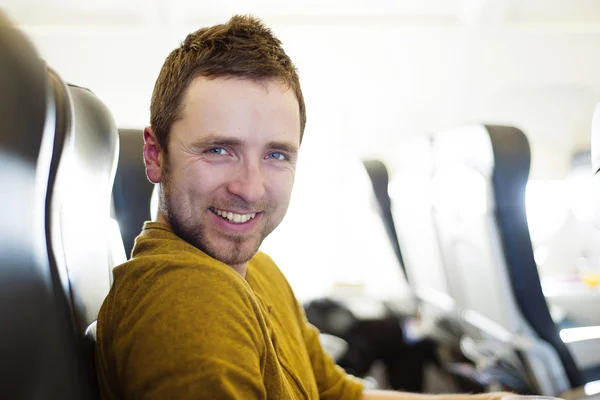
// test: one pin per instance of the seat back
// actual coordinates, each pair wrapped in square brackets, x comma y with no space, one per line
[411,203]
[479,180]
[132,190]
[380,180]
[83,242]
[82,233]
[40,351]
[512,155]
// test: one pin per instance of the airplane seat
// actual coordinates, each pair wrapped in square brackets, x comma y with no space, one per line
[84,243]
[132,190]
[438,318]
[380,179]
[411,204]
[479,180]
[43,354]
[83,236]
[512,159]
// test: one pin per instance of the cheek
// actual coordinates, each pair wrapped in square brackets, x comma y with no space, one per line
[280,184]
[199,182]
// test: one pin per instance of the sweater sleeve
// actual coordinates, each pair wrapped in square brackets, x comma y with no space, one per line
[190,333]
[332,380]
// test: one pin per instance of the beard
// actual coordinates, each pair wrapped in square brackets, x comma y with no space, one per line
[191,226]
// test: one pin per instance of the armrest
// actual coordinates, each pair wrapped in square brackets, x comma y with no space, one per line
[584,344]
[334,346]
[578,394]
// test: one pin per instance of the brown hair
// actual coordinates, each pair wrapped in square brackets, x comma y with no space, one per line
[243,47]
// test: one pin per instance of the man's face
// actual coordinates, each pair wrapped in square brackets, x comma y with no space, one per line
[227,179]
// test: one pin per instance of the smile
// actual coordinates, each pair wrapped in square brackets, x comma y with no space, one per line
[233,217]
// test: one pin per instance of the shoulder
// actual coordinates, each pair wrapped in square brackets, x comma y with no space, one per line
[265,269]
[181,277]
[180,296]
[177,264]
[265,265]
[268,280]
[177,287]
[182,316]
[161,260]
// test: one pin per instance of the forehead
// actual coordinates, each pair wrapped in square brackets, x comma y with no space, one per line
[240,108]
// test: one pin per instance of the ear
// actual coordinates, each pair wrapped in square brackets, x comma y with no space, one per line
[152,156]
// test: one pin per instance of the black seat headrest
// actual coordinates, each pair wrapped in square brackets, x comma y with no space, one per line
[132,190]
[380,180]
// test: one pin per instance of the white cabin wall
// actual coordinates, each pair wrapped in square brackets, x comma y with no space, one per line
[371,86]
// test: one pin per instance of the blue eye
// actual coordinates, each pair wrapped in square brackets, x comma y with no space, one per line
[220,151]
[276,156]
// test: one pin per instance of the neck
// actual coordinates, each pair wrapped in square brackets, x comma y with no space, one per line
[160,217]
[239,268]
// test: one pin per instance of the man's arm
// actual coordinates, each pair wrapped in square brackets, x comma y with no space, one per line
[388,395]
[332,381]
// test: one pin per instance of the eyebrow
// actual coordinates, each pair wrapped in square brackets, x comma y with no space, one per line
[219,140]
[283,146]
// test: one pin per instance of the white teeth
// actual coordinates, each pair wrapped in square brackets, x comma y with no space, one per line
[236,218]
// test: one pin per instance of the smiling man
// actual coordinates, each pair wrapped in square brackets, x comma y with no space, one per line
[198,312]
[227,177]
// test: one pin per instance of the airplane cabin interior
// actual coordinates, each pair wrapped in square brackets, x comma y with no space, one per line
[444,228]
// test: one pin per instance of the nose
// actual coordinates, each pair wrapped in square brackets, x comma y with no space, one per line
[248,182]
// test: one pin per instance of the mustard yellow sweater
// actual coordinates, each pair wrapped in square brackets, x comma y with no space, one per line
[178,324]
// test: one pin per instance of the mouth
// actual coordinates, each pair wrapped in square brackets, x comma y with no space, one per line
[233,217]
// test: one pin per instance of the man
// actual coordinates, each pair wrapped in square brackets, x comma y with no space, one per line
[198,312]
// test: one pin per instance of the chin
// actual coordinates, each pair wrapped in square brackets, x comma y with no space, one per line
[233,254]
[235,261]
